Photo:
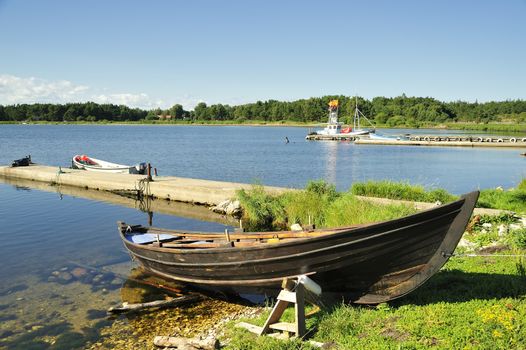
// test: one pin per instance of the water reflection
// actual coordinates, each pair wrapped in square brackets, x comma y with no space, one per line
[143,204]
[331,161]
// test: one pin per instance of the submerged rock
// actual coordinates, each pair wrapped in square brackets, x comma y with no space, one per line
[97,279]
[93,314]
[79,272]
[64,277]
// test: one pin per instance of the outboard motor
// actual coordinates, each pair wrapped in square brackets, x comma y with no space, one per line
[22,161]
[141,168]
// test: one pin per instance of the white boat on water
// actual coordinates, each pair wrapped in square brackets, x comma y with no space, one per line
[92,164]
[334,127]
[385,137]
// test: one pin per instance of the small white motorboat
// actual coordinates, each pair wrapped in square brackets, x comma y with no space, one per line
[92,164]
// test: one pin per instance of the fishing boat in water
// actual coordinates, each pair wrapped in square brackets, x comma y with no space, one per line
[335,128]
[92,164]
[367,264]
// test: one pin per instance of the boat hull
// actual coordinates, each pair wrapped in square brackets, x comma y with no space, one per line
[369,264]
[106,167]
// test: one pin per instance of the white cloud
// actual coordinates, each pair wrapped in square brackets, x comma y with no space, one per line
[141,100]
[15,90]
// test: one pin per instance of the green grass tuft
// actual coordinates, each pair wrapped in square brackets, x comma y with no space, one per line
[260,209]
[349,210]
[400,190]
[514,199]
[517,238]
[318,204]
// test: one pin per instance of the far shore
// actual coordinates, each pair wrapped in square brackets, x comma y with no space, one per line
[490,127]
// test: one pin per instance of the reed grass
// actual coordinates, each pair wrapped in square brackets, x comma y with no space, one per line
[400,190]
[261,211]
[349,210]
[318,204]
[322,205]
[513,199]
[489,127]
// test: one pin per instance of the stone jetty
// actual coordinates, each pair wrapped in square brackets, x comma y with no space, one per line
[180,189]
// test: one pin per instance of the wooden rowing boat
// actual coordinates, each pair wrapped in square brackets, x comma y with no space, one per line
[92,164]
[368,264]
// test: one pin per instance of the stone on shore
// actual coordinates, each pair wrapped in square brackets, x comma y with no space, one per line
[228,207]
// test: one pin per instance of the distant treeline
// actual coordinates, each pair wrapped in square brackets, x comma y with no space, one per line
[401,110]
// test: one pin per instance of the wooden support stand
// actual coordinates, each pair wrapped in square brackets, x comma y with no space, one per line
[285,297]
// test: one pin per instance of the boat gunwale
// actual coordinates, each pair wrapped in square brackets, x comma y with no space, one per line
[336,234]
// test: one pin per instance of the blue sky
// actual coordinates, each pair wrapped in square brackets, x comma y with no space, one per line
[158,53]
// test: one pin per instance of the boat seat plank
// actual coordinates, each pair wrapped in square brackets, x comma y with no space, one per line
[146,238]
[255,235]
[197,245]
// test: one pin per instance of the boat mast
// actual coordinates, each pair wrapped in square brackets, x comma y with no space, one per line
[356,118]
[358,114]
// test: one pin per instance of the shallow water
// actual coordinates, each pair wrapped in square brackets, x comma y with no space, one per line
[62,265]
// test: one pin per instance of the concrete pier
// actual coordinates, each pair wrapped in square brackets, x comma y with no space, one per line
[441,142]
[207,192]
[164,187]
[187,210]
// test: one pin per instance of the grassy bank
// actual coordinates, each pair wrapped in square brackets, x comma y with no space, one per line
[234,122]
[513,199]
[490,127]
[473,303]
[400,190]
[477,301]
[322,205]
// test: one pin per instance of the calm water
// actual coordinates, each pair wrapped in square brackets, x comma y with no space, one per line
[259,154]
[61,261]
[62,264]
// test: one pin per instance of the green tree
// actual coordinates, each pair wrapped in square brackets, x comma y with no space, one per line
[177,111]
